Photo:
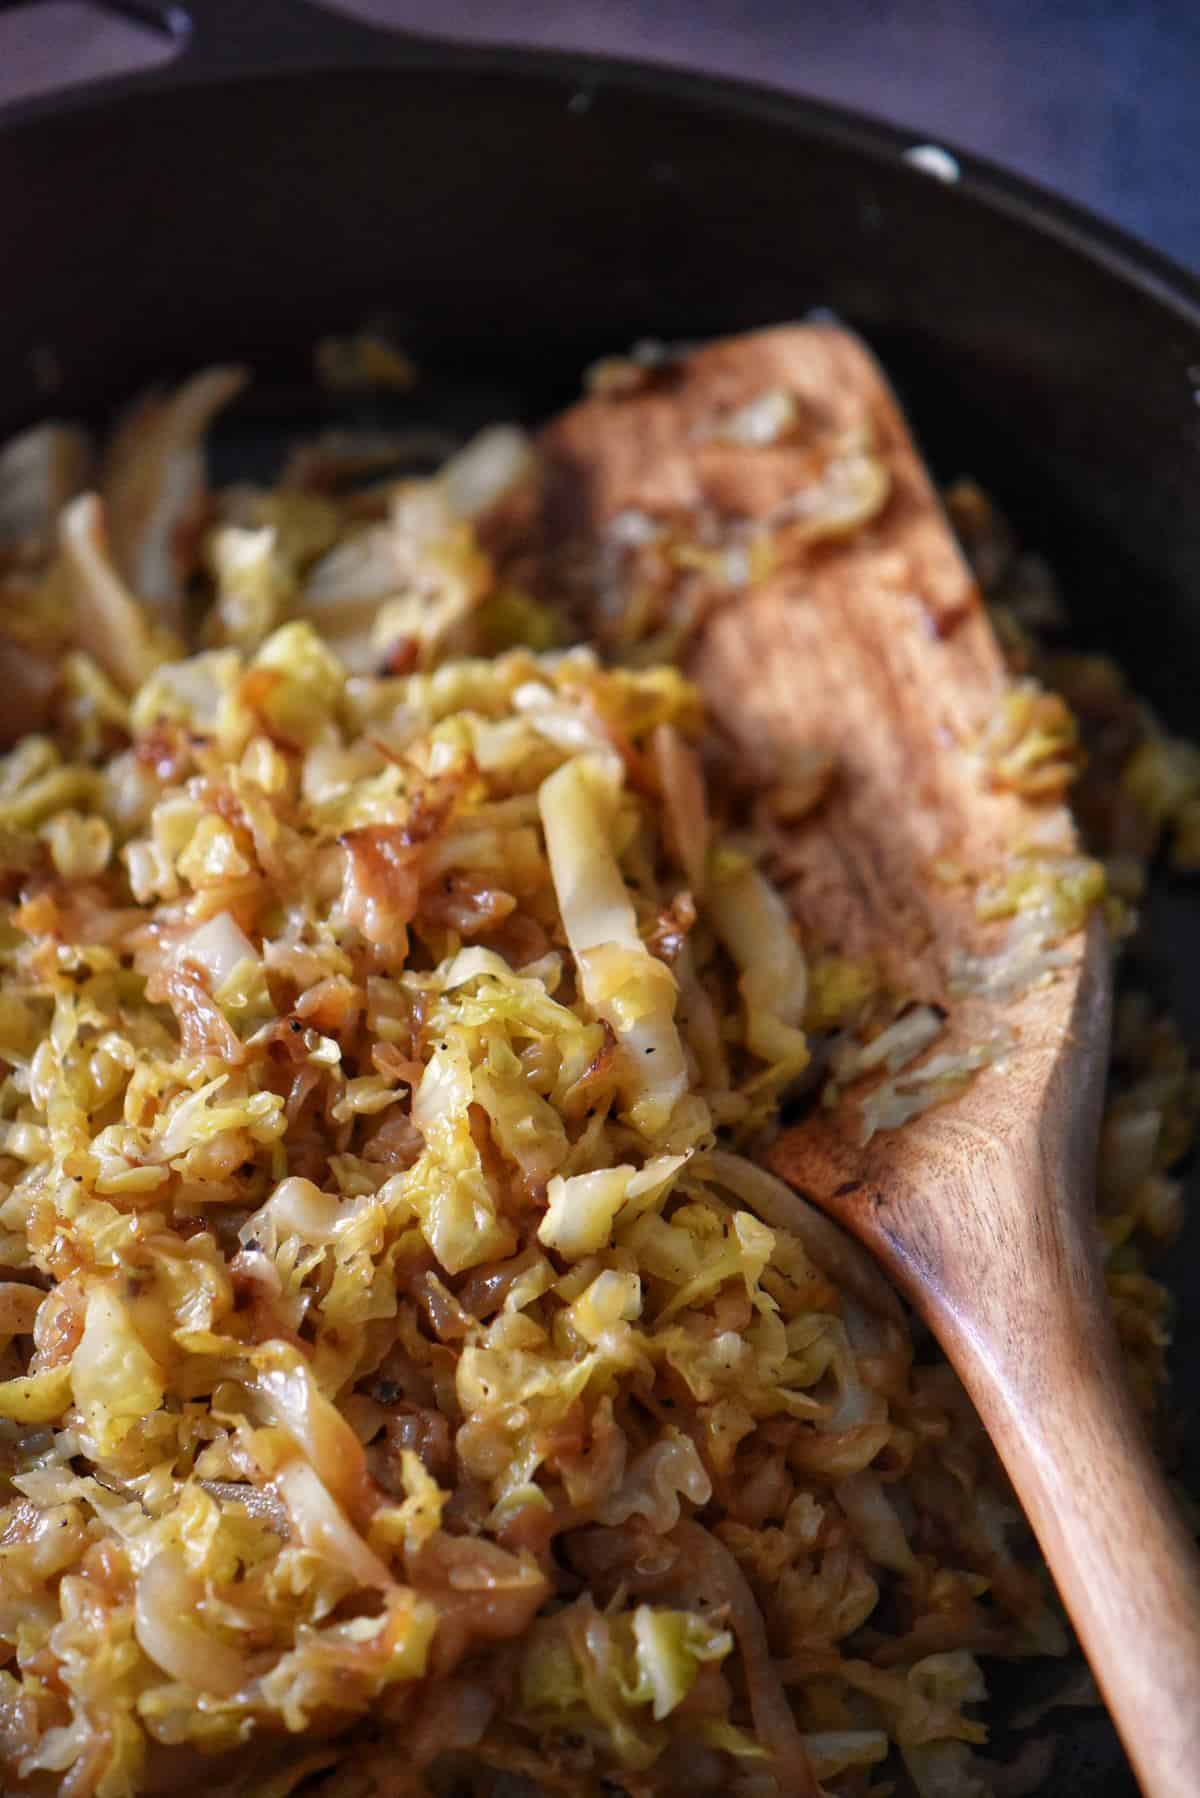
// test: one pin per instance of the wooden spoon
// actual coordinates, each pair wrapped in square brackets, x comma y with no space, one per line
[873,642]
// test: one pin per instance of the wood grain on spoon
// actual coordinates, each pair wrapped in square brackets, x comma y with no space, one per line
[876,645]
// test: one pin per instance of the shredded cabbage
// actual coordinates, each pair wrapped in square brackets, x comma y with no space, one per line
[618,976]
[409,1376]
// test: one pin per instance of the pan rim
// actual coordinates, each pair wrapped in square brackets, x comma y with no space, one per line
[374,54]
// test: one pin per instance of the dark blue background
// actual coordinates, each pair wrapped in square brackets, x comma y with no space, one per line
[1100,101]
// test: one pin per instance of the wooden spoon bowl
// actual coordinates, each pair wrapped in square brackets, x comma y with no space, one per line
[873,642]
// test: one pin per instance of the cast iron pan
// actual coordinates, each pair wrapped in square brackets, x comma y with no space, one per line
[293,173]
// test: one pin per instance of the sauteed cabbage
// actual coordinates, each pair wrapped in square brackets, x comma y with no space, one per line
[410,1381]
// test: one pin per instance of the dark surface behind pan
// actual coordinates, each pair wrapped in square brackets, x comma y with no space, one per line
[512,214]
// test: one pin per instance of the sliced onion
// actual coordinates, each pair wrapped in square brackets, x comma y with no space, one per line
[109,623]
[713,1568]
[165,1606]
[40,471]
[317,1428]
[654,1483]
[153,482]
[488,468]
[321,1524]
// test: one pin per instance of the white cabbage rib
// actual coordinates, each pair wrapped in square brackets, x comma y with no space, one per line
[755,926]
[625,985]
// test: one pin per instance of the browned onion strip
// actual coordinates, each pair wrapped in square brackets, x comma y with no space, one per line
[774,1724]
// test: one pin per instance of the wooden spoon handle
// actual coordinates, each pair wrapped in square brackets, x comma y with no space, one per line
[1126,1567]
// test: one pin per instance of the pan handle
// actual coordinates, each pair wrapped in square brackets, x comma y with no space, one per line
[217,38]
[225,37]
